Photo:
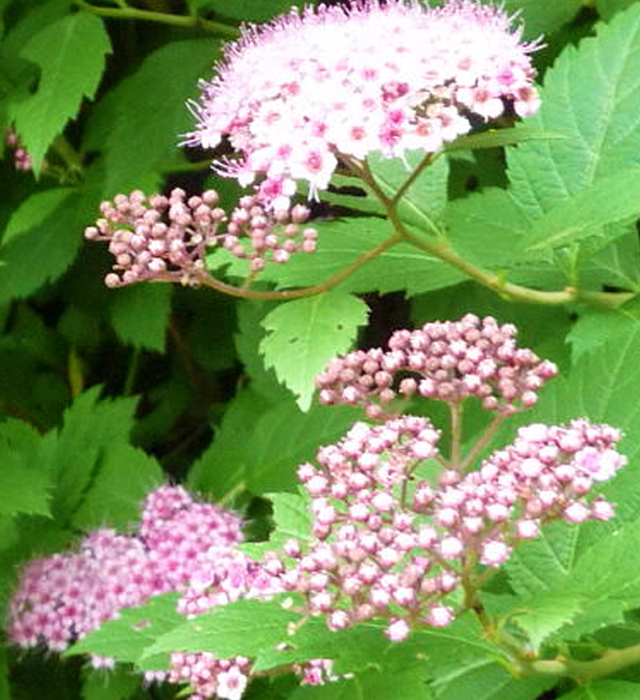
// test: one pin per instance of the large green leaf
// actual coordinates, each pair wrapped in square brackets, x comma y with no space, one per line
[71,53]
[304,334]
[423,202]
[243,628]
[611,199]
[594,107]
[603,584]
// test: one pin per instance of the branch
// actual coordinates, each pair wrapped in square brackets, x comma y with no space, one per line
[188,21]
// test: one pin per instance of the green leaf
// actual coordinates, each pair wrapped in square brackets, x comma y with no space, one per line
[593,108]
[373,685]
[243,628]
[98,473]
[34,211]
[71,53]
[462,664]
[140,123]
[543,564]
[25,481]
[603,584]
[604,690]
[595,327]
[305,334]
[140,315]
[45,233]
[423,203]
[128,637]
[612,199]
[124,477]
[340,243]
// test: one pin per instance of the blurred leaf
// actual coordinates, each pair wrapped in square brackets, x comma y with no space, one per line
[542,17]
[304,334]
[248,10]
[259,444]
[35,210]
[140,315]
[608,8]
[71,53]
[114,684]
[604,690]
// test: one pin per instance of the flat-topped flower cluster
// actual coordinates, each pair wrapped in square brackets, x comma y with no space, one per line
[296,96]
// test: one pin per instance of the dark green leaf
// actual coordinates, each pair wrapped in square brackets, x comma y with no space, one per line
[140,315]
[25,480]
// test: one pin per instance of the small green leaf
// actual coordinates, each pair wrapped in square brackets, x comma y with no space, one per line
[306,333]
[34,211]
[71,53]
[611,199]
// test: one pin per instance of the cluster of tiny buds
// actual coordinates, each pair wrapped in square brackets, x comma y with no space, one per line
[166,238]
[449,361]
[21,158]
[389,544]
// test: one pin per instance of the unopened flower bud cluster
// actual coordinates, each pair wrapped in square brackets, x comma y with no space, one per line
[166,238]
[449,361]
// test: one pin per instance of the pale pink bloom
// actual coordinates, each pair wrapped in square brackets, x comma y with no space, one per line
[297,95]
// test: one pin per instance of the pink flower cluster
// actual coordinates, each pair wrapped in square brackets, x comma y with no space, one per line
[296,96]
[181,544]
[166,238]
[449,361]
[61,598]
[387,543]
[21,158]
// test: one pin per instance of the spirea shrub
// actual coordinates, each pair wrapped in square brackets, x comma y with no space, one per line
[402,509]
[386,542]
